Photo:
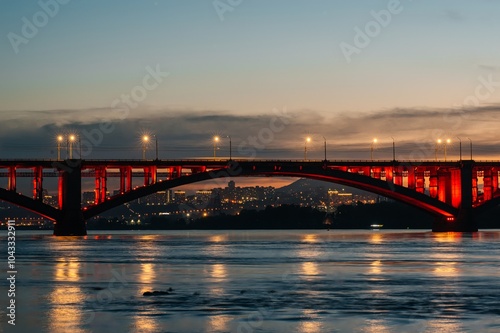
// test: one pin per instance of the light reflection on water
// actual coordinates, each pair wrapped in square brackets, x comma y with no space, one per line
[272,281]
[66,300]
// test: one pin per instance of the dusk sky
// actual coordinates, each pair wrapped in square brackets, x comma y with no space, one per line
[346,70]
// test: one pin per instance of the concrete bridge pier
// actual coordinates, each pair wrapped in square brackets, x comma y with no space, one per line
[464,221]
[70,221]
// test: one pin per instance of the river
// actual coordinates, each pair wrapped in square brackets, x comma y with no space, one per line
[256,281]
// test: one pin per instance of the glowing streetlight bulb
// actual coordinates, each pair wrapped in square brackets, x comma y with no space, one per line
[216,139]
[145,140]
[308,139]
[71,139]
[59,141]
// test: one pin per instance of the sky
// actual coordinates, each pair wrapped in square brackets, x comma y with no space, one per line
[268,74]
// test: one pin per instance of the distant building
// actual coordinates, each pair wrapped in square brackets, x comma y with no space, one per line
[169,197]
[203,195]
[179,196]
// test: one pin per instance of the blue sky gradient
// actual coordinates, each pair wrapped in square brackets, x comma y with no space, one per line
[263,55]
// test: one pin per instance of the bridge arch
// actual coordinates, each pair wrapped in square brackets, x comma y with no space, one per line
[366,183]
[30,204]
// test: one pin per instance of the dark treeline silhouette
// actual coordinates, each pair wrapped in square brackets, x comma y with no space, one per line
[282,217]
[392,215]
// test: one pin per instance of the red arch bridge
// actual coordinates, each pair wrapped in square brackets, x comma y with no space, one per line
[448,190]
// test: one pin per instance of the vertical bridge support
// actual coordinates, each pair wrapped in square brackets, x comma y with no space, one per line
[463,187]
[71,222]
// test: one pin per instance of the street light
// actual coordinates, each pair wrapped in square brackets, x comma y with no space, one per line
[71,140]
[460,142]
[156,146]
[393,149]
[59,141]
[374,141]
[145,140]
[230,148]
[438,142]
[216,139]
[308,139]
[445,144]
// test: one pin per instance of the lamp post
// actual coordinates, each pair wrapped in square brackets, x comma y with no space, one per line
[230,148]
[372,147]
[145,141]
[460,147]
[438,142]
[156,147]
[308,139]
[71,140]
[446,144]
[470,148]
[393,149]
[216,139]
[59,141]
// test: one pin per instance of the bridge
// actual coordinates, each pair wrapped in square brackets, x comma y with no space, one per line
[447,190]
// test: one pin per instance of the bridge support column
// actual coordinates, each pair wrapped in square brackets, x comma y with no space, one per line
[12,178]
[419,181]
[70,222]
[37,184]
[464,221]
[147,176]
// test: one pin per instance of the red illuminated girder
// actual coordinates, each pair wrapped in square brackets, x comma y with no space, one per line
[125,179]
[104,184]
[128,185]
[455,188]
[474,185]
[154,174]
[150,175]
[419,181]
[37,183]
[12,178]
[433,183]
[443,183]
[97,187]
[175,172]
[388,173]
[376,172]
[100,185]
[487,186]
[199,169]
[494,179]
[411,178]
[398,176]
[60,190]
[122,180]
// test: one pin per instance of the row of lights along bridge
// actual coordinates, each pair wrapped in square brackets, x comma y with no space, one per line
[71,139]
